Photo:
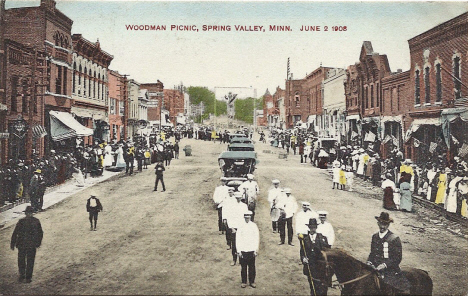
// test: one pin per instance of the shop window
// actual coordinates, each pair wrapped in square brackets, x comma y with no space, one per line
[438,83]
[427,86]
[417,91]
[456,77]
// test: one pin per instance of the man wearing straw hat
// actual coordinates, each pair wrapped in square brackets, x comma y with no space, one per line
[312,245]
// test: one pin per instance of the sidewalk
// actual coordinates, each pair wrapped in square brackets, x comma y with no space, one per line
[56,194]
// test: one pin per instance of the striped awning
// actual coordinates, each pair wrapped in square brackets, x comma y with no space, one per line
[64,126]
[38,131]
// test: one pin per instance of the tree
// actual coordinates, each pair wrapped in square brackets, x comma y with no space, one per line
[244,108]
[202,94]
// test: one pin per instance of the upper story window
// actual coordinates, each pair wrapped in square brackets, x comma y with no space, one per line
[297,99]
[372,97]
[427,85]
[438,83]
[74,76]
[417,91]
[456,77]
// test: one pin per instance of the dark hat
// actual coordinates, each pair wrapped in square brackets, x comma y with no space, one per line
[312,222]
[29,209]
[384,218]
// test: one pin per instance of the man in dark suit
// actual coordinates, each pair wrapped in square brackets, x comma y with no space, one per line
[93,207]
[27,237]
[312,246]
[386,255]
[159,171]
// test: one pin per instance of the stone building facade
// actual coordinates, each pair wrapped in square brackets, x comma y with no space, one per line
[333,118]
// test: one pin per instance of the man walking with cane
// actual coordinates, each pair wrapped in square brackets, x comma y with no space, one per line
[312,246]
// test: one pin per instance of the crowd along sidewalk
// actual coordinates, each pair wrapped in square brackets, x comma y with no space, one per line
[56,194]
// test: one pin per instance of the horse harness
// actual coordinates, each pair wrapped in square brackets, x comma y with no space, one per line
[329,267]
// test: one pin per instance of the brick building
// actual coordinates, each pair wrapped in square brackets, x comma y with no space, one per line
[174,104]
[90,87]
[363,87]
[395,94]
[155,96]
[303,97]
[116,105]
[24,116]
[438,84]
[279,119]
[270,109]
[45,29]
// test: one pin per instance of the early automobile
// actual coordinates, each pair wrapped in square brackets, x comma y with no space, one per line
[237,163]
[241,147]
[241,140]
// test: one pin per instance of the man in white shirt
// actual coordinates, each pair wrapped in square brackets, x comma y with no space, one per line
[250,189]
[220,194]
[325,228]
[229,199]
[303,216]
[247,244]
[233,213]
[273,196]
[288,206]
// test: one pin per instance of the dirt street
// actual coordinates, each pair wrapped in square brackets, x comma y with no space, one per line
[167,242]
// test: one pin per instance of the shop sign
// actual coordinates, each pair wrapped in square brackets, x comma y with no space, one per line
[3,107]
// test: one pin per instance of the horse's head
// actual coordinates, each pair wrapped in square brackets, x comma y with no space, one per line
[326,268]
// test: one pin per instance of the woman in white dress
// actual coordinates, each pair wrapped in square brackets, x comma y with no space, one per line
[108,158]
[451,203]
[120,163]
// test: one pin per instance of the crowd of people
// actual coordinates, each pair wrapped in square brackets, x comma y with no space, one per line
[24,180]
[236,204]
[437,180]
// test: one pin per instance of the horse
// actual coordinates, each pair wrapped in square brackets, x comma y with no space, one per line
[357,278]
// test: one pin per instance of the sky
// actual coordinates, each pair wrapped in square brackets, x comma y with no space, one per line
[256,59]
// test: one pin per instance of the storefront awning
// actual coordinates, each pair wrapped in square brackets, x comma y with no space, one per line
[90,113]
[64,126]
[448,116]
[384,119]
[353,117]
[38,131]
[418,122]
